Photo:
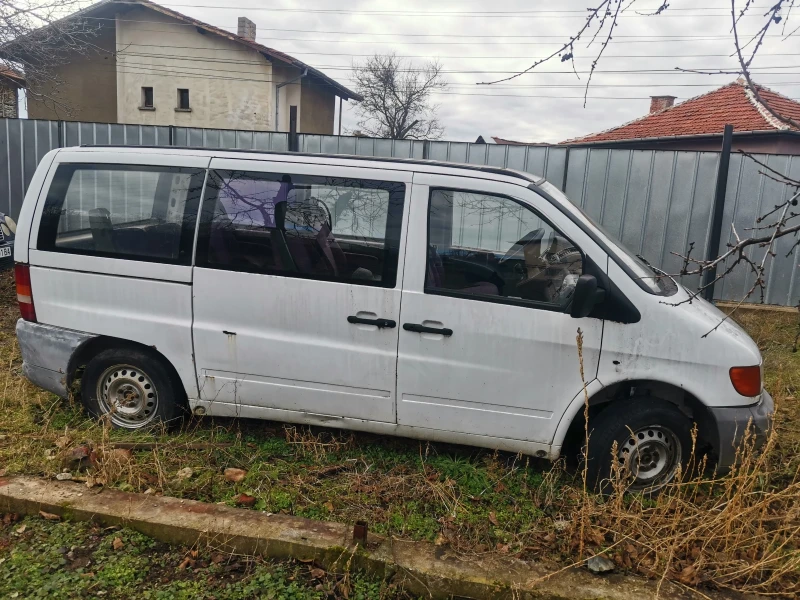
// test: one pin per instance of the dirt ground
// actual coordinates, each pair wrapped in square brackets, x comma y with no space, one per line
[737,532]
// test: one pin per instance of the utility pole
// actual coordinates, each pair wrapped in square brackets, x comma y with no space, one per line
[716,215]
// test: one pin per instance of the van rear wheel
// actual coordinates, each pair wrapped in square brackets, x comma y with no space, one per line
[131,388]
[653,443]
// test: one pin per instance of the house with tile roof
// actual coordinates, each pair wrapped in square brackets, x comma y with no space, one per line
[697,124]
[148,64]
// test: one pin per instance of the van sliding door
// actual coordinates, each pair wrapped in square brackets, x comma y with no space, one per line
[297,290]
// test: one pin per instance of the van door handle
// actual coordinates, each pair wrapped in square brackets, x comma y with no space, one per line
[379,323]
[417,328]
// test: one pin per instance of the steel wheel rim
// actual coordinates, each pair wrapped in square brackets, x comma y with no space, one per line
[128,395]
[650,457]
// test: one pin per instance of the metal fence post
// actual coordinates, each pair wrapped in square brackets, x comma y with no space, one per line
[566,170]
[716,215]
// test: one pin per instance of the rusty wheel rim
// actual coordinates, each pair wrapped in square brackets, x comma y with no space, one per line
[127,394]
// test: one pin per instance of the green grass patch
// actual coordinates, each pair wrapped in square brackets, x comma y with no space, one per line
[62,560]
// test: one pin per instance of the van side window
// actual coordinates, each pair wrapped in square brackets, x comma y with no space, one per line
[122,211]
[496,249]
[331,228]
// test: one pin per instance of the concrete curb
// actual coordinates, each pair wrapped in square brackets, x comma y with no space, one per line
[724,304]
[423,568]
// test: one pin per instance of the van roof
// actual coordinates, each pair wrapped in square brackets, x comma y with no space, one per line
[406,164]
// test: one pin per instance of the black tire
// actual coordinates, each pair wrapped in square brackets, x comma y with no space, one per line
[663,442]
[138,390]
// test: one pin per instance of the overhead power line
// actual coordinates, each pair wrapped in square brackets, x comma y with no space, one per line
[147,69]
[533,13]
[675,39]
[171,69]
[510,12]
[135,70]
[659,72]
[486,15]
[393,34]
[440,56]
[232,61]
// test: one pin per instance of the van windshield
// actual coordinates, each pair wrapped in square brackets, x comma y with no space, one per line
[648,277]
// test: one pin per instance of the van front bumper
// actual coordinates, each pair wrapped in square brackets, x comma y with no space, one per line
[46,354]
[733,422]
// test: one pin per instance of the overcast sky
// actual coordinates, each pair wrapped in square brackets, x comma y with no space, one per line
[489,40]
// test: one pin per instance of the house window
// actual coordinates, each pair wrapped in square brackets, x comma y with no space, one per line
[183,99]
[147,97]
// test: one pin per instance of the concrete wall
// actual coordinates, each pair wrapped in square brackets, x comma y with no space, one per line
[89,85]
[319,108]
[230,87]
[289,95]
[316,103]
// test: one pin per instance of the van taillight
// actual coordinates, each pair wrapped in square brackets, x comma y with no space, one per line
[22,274]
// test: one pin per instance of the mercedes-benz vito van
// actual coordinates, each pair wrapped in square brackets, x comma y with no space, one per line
[429,300]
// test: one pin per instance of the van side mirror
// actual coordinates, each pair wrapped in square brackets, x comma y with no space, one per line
[585,296]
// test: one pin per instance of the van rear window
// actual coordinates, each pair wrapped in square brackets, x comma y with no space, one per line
[122,211]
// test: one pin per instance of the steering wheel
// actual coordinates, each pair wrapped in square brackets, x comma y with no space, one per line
[565,256]
[517,251]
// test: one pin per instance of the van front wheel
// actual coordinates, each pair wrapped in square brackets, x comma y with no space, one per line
[653,443]
[130,388]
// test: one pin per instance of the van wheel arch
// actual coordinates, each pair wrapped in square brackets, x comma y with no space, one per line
[91,348]
[686,402]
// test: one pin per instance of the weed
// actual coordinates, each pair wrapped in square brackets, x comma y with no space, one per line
[734,532]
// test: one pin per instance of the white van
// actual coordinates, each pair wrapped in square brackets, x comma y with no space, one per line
[414,298]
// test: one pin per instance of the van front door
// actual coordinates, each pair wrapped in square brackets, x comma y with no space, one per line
[297,290]
[487,346]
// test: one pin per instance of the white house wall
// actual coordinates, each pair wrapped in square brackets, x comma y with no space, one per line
[230,87]
[289,95]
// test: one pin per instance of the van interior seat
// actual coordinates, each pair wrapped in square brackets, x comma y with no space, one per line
[308,235]
[158,239]
[102,231]
[435,276]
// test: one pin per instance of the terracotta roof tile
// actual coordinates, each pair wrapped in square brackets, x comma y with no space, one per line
[9,73]
[707,114]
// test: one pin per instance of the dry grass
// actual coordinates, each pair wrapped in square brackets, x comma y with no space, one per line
[738,532]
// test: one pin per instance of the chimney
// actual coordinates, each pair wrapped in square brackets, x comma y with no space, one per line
[247,29]
[657,103]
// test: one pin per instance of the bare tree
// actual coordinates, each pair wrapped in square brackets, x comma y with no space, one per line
[602,21]
[37,36]
[397,98]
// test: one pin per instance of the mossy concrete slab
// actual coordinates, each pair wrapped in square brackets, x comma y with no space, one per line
[423,568]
